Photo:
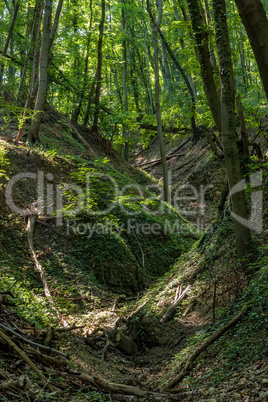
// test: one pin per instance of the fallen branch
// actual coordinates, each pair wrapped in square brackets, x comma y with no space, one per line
[81,139]
[171,311]
[189,364]
[172,130]
[45,359]
[158,161]
[39,345]
[51,332]
[124,389]
[27,360]
[7,291]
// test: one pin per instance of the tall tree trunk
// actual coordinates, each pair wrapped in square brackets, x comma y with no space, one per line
[135,88]
[156,25]
[99,69]
[211,49]
[77,110]
[47,41]
[31,46]
[255,21]
[124,54]
[202,48]
[32,90]
[148,73]
[182,43]
[2,65]
[167,72]
[231,155]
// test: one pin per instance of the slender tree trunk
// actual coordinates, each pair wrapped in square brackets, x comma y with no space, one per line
[99,69]
[89,101]
[255,21]
[2,64]
[132,64]
[167,72]
[232,162]
[32,89]
[156,25]
[182,43]
[148,73]
[211,49]
[32,41]
[77,110]
[124,54]
[201,38]
[47,41]
[33,135]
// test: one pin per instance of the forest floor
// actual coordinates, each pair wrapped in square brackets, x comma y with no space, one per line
[233,368]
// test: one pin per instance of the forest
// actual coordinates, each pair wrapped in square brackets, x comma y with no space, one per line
[133,200]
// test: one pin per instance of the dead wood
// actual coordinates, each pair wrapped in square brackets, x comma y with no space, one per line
[171,311]
[27,360]
[51,332]
[189,364]
[158,161]
[45,359]
[122,342]
[39,345]
[180,146]
[172,130]
[125,389]
[81,139]
[8,291]
[214,146]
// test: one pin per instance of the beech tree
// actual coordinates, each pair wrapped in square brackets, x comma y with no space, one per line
[231,155]
[47,40]
[255,20]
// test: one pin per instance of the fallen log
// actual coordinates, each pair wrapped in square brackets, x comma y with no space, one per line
[172,130]
[189,364]
[158,161]
[127,389]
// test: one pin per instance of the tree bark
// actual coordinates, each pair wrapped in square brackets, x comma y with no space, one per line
[202,49]
[99,69]
[156,25]
[231,155]
[255,21]
[31,93]
[47,40]
[124,54]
